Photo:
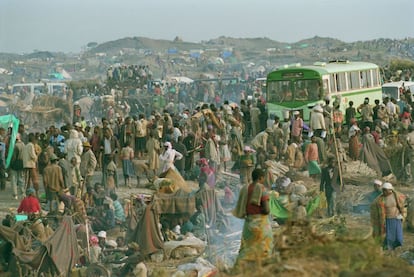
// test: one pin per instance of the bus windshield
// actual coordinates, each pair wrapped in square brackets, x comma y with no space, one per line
[296,90]
[391,92]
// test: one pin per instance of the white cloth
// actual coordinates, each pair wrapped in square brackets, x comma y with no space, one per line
[168,157]
[73,147]
[353,131]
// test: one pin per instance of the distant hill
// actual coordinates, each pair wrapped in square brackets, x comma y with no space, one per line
[155,45]
[226,54]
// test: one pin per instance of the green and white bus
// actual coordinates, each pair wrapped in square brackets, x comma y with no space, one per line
[299,88]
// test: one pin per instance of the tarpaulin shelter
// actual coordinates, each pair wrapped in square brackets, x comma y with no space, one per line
[7,121]
[57,256]
[182,201]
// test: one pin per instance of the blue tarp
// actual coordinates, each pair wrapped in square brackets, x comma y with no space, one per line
[226,54]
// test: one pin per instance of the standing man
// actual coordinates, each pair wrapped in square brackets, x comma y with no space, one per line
[297,127]
[377,191]
[109,148]
[350,113]
[247,163]
[317,121]
[29,163]
[17,169]
[53,182]
[73,147]
[312,158]
[255,119]
[153,148]
[329,184]
[211,150]
[257,236]
[387,216]
[180,147]
[366,113]
[410,143]
[140,135]
[88,164]
[169,156]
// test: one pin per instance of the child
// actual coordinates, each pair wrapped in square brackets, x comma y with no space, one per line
[111,175]
[127,155]
[95,250]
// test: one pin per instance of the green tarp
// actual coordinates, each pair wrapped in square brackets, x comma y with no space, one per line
[7,121]
[276,207]
[278,210]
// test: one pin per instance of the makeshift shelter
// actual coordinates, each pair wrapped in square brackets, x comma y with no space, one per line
[7,121]
[57,256]
[180,201]
[147,234]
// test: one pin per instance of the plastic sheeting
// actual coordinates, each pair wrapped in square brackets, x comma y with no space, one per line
[7,121]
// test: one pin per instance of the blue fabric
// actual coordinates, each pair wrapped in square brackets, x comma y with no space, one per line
[119,211]
[393,233]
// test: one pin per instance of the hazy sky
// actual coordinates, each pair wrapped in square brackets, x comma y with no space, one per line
[67,25]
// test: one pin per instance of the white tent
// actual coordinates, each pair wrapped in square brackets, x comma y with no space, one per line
[181,79]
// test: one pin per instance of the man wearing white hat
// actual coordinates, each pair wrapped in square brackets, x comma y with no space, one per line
[297,127]
[317,121]
[102,239]
[169,156]
[377,186]
[387,216]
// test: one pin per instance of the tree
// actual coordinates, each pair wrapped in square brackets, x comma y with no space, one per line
[92,44]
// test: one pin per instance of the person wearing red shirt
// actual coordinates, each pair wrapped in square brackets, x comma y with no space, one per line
[30,204]
[257,236]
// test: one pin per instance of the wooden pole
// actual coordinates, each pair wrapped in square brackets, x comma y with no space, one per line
[88,250]
[337,154]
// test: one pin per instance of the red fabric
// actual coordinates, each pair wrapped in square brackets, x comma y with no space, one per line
[376,137]
[29,205]
[254,209]
[311,152]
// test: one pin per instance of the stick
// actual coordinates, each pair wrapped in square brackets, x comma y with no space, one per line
[337,155]
[87,239]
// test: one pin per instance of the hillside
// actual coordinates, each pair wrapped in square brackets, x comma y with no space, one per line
[178,57]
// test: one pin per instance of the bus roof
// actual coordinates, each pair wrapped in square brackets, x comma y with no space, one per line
[332,67]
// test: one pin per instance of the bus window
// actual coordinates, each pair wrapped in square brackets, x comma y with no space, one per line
[340,81]
[57,90]
[325,86]
[307,90]
[279,91]
[354,80]
[365,76]
[40,89]
[332,81]
[375,77]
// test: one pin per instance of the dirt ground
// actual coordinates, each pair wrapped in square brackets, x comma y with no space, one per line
[308,254]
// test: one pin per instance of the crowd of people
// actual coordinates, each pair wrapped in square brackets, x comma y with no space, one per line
[199,144]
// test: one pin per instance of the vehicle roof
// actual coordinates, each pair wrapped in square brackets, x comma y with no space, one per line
[341,67]
[332,67]
[40,84]
[399,84]
[28,84]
